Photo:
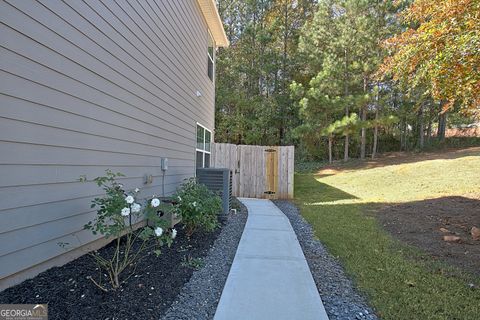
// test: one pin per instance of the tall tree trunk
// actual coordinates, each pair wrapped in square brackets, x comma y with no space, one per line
[330,158]
[363,137]
[402,133]
[345,154]
[363,115]
[442,125]
[430,118]
[375,130]
[284,75]
[375,138]
[421,128]
[429,130]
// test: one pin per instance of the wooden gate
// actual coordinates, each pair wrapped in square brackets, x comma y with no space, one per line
[257,171]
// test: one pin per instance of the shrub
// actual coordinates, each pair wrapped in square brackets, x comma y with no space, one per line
[117,213]
[198,206]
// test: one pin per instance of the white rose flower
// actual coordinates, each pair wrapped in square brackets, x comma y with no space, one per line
[155,202]
[179,198]
[137,190]
[194,203]
[125,211]
[174,233]
[136,208]
[158,231]
[129,199]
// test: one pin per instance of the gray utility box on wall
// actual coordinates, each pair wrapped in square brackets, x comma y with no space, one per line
[218,180]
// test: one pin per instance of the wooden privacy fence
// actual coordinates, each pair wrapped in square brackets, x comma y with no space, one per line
[257,171]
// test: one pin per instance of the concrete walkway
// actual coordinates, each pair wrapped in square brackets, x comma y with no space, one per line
[269,278]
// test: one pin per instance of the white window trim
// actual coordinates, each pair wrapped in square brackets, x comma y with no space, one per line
[212,57]
[213,51]
[205,129]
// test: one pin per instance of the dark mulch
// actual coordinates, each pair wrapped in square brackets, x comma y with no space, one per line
[147,295]
[418,224]
[200,296]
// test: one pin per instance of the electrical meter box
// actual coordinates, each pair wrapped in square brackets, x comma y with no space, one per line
[164,164]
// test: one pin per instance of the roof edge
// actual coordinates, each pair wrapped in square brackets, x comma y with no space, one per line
[212,18]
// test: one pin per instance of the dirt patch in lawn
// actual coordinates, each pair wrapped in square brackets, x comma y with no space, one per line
[145,295]
[423,224]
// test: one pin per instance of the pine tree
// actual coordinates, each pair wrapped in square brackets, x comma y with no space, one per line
[341,53]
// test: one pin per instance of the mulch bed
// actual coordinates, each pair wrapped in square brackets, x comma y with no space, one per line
[418,224]
[146,295]
[200,296]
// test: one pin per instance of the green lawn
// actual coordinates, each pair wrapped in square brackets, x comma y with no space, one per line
[398,280]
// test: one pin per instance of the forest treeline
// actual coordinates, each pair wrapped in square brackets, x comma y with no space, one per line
[347,78]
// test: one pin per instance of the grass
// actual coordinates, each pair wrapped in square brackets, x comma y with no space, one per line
[400,282]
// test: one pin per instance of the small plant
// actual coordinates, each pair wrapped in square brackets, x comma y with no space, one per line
[117,214]
[194,263]
[198,206]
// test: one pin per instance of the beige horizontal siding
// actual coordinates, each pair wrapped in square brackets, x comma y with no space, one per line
[44,251]
[15,88]
[151,64]
[54,192]
[41,134]
[25,175]
[30,215]
[87,86]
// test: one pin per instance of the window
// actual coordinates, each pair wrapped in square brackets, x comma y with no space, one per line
[211,57]
[204,139]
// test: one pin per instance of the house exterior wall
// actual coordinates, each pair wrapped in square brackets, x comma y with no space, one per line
[87,86]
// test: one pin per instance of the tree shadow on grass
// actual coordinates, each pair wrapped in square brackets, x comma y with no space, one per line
[415,223]
[396,158]
[419,224]
[395,251]
[319,191]
[401,277]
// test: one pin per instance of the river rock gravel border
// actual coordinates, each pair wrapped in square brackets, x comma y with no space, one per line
[200,296]
[338,293]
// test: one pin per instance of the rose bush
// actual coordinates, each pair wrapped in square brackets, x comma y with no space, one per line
[118,215]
